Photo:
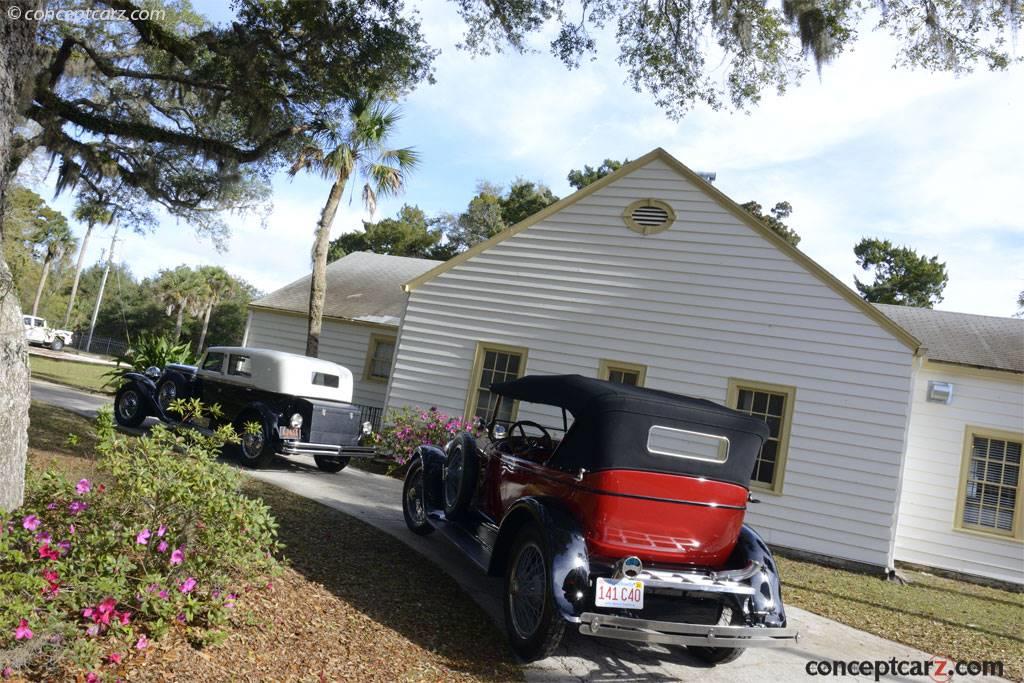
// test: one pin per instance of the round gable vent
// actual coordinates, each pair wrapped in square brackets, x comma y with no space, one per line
[648,216]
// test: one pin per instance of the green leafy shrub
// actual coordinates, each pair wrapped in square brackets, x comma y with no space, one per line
[406,428]
[91,572]
[148,351]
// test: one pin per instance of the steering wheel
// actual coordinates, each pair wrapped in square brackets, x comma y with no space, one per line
[545,441]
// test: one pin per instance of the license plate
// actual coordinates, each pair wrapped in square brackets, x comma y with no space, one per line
[624,593]
[288,432]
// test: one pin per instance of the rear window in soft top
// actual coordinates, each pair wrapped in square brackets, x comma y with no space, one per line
[322,379]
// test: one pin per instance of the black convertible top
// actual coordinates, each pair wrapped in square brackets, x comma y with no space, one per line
[612,423]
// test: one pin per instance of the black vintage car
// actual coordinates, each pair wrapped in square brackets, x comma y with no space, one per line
[302,405]
[615,509]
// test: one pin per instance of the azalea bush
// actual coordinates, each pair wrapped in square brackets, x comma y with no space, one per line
[406,428]
[90,573]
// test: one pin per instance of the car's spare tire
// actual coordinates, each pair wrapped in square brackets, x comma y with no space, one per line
[460,474]
[129,406]
[170,388]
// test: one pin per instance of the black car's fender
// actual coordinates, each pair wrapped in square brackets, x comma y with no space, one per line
[570,564]
[147,392]
[433,459]
[767,597]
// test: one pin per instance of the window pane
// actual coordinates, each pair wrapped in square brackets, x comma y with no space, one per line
[771,407]
[498,366]
[993,477]
[746,400]
[775,403]
[760,402]
[239,366]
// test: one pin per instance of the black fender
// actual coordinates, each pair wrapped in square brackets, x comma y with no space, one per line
[433,459]
[766,602]
[269,417]
[570,564]
[147,391]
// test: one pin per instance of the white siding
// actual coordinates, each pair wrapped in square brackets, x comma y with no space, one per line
[707,300]
[340,342]
[931,478]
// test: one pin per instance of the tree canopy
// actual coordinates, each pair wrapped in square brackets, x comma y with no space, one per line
[730,53]
[774,219]
[901,276]
[580,178]
[409,233]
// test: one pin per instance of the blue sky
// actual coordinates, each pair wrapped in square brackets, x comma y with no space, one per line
[927,160]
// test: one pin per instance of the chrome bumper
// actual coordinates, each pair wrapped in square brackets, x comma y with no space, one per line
[303,448]
[673,633]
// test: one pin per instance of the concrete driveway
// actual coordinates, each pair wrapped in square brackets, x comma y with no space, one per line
[376,500]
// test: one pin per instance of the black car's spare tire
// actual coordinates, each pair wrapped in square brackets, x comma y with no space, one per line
[325,464]
[256,446]
[720,655]
[532,620]
[168,389]
[460,474]
[129,406]
[414,506]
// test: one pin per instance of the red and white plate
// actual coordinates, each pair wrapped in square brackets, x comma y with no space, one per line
[622,593]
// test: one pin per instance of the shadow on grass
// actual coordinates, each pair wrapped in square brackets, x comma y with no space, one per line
[389,582]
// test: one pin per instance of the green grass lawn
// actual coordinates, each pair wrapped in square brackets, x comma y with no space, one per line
[960,620]
[87,376]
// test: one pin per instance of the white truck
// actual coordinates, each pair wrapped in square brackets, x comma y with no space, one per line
[38,332]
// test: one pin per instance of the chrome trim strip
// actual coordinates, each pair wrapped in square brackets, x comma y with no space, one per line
[303,448]
[709,582]
[674,633]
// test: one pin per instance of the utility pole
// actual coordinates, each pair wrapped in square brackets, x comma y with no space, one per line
[99,297]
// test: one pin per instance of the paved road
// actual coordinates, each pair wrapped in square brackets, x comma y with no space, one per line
[376,500]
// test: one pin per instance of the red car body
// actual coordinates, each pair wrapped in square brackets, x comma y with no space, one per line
[645,492]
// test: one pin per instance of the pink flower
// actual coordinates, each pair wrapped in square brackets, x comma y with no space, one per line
[161,531]
[142,643]
[83,486]
[187,585]
[71,528]
[43,536]
[91,677]
[51,576]
[142,538]
[7,672]
[23,632]
[77,506]
[163,595]
[31,522]
[178,556]
[180,617]
[46,552]
[106,605]
[93,630]
[124,617]
[162,548]
[114,658]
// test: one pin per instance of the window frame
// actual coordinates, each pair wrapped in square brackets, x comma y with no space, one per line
[376,338]
[223,360]
[605,367]
[1016,532]
[737,384]
[476,374]
[229,371]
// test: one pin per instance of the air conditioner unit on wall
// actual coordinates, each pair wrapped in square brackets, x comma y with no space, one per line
[940,392]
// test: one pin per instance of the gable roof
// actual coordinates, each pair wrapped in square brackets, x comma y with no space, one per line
[980,341]
[360,286]
[714,193]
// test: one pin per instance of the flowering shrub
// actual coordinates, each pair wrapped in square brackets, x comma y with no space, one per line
[406,428]
[91,572]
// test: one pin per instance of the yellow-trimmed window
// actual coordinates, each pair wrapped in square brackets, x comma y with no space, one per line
[493,363]
[772,403]
[990,483]
[379,355]
[633,374]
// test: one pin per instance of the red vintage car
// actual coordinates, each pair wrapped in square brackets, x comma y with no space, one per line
[625,520]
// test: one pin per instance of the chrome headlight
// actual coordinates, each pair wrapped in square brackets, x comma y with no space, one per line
[153,373]
[367,428]
[295,422]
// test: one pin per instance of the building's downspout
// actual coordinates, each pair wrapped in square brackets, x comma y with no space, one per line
[916,365]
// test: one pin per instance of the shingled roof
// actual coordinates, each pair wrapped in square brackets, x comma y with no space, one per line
[361,286]
[980,341]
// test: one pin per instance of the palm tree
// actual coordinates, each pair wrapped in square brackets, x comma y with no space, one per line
[92,210]
[361,148]
[218,285]
[180,292]
[55,238]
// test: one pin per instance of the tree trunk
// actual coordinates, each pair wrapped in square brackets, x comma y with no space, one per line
[206,326]
[78,274]
[318,284]
[42,284]
[178,322]
[17,39]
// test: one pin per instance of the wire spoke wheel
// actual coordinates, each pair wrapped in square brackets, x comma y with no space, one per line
[128,406]
[453,477]
[414,499]
[526,591]
[252,444]
[167,394]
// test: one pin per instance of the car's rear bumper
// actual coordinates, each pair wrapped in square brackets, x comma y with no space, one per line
[674,633]
[328,450]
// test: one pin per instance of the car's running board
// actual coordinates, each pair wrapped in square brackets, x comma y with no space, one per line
[674,633]
[475,549]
